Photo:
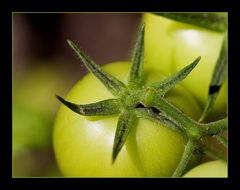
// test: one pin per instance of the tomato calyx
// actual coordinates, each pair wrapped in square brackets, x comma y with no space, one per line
[137,100]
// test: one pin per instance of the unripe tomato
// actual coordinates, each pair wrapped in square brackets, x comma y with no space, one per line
[158,43]
[171,45]
[190,42]
[216,168]
[83,146]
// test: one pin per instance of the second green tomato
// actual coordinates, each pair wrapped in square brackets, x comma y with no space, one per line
[171,45]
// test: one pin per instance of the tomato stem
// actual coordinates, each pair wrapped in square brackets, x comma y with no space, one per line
[215,127]
[189,148]
[173,113]
[160,118]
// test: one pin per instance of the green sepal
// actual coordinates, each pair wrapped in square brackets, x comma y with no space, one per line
[136,72]
[101,108]
[167,84]
[115,86]
[126,121]
[218,77]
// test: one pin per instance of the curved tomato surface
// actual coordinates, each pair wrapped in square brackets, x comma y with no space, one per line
[216,168]
[158,43]
[171,45]
[190,42]
[83,145]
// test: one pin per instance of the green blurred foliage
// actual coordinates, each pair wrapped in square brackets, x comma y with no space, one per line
[31,129]
[33,112]
[38,84]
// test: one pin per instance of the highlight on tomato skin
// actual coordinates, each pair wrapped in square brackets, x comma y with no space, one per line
[171,45]
[83,144]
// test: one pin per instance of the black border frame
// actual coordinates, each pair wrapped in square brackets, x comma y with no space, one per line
[114,183]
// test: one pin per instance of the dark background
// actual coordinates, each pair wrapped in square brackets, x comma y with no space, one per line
[6,135]
[105,37]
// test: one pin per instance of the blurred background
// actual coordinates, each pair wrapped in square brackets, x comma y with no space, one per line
[44,65]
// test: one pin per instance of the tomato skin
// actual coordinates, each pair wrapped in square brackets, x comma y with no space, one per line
[158,43]
[216,168]
[171,45]
[83,145]
[190,42]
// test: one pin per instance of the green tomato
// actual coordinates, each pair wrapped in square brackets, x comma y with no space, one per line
[171,45]
[158,43]
[191,42]
[83,146]
[217,168]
